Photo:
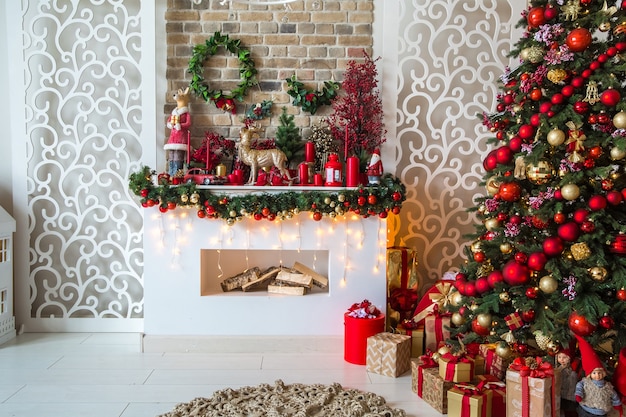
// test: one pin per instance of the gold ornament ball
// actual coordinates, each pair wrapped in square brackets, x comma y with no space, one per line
[443,350]
[552,348]
[598,273]
[492,223]
[484,320]
[475,246]
[195,197]
[506,248]
[503,350]
[492,186]
[436,356]
[548,284]
[619,120]
[570,192]
[540,173]
[456,299]
[617,153]
[457,319]
[555,137]
[505,297]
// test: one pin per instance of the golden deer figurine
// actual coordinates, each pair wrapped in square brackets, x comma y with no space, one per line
[259,158]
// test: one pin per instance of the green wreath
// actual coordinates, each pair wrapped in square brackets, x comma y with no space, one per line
[311,100]
[247,71]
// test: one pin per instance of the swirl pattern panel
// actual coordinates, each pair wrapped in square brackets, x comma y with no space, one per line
[83,126]
[450,55]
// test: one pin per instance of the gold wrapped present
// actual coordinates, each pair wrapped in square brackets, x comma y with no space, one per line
[417,339]
[402,285]
[469,401]
[456,368]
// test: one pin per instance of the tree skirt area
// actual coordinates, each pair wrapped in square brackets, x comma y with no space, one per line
[281,400]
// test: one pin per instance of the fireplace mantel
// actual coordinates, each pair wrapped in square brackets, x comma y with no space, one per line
[353,248]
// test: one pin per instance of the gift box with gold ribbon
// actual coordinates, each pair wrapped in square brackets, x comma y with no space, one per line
[456,368]
[531,389]
[494,365]
[402,285]
[466,400]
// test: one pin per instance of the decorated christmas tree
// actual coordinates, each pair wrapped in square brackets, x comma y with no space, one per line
[548,260]
[288,137]
[357,118]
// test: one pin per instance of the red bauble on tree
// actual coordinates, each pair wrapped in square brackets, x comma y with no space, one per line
[510,191]
[478,329]
[580,325]
[515,273]
[578,39]
[553,246]
[536,17]
[610,97]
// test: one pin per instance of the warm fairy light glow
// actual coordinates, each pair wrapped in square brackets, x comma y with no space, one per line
[343,283]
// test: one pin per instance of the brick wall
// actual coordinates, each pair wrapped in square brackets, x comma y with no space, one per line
[312,38]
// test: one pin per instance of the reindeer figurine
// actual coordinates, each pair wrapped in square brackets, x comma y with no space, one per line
[259,158]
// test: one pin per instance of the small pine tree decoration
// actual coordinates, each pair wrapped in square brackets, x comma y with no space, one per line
[288,137]
[359,110]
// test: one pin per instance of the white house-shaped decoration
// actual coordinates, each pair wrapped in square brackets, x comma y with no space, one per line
[7,319]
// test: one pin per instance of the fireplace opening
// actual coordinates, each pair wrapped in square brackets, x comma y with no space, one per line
[218,265]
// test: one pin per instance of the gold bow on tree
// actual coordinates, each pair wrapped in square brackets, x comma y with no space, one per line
[575,142]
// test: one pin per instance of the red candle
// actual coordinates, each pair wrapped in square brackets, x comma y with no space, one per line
[309,152]
[346,144]
[303,170]
[352,171]
[318,180]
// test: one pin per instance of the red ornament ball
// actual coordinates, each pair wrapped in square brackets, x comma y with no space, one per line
[482,285]
[588,226]
[469,289]
[532,292]
[510,191]
[526,131]
[480,330]
[494,278]
[553,246]
[559,218]
[606,322]
[515,273]
[491,161]
[504,155]
[515,144]
[536,17]
[621,294]
[537,261]
[597,202]
[551,12]
[569,231]
[528,316]
[580,325]
[610,97]
[581,107]
[578,39]
[580,215]
[614,197]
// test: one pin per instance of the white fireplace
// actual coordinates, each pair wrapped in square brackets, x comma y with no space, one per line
[186,257]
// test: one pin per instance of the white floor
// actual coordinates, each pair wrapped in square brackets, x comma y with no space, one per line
[108,375]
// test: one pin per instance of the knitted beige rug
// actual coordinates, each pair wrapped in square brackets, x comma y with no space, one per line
[281,400]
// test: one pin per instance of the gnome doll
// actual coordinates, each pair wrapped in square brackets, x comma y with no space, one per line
[594,395]
[375,168]
[569,378]
[619,376]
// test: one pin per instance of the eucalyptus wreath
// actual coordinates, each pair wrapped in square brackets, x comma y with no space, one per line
[309,99]
[247,71]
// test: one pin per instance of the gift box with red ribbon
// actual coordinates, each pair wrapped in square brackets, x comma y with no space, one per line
[417,371]
[494,365]
[466,400]
[456,368]
[417,337]
[388,354]
[498,399]
[402,285]
[436,330]
[531,389]
[435,390]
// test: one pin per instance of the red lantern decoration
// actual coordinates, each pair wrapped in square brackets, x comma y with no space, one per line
[578,39]
[580,325]
[515,273]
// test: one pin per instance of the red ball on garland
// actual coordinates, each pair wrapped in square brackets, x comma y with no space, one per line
[482,285]
[317,216]
[578,39]
[510,191]
[610,97]
[553,246]
[536,17]
[580,325]
[480,330]
[201,214]
[515,273]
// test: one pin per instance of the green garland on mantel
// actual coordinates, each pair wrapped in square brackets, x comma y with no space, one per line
[366,201]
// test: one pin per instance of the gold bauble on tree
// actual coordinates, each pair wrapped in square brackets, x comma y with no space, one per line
[484,320]
[619,120]
[506,248]
[552,348]
[540,173]
[492,223]
[457,319]
[492,186]
[456,299]
[548,284]
[503,350]
[555,137]
[570,192]
[598,273]
[505,297]
[617,153]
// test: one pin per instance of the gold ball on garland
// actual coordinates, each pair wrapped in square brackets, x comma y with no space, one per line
[617,153]
[184,198]
[598,273]
[548,285]
[619,120]
[230,221]
[327,200]
[570,192]
[540,173]
[456,299]
[296,210]
[503,350]
[232,213]
[506,248]
[555,137]
[505,297]
[457,319]
[484,320]
[195,197]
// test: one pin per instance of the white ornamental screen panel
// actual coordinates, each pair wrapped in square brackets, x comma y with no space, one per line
[83,124]
[450,56]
